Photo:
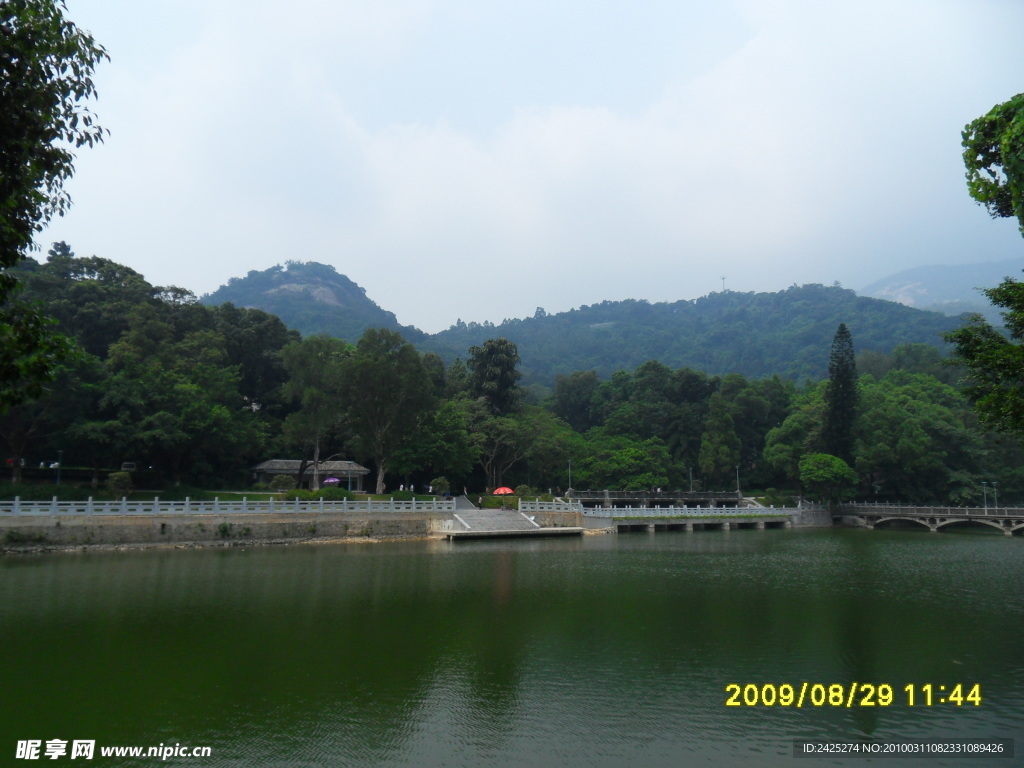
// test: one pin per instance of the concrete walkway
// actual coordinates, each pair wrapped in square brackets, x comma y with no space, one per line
[463,502]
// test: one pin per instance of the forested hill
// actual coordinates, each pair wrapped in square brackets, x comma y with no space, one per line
[311,298]
[754,334]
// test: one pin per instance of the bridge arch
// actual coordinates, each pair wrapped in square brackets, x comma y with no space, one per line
[971,523]
[901,520]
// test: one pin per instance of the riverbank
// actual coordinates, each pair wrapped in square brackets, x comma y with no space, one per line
[36,534]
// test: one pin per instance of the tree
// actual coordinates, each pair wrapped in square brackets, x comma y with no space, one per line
[827,478]
[573,397]
[841,397]
[46,66]
[315,371]
[719,445]
[994,157]
[494,376]
[387,393]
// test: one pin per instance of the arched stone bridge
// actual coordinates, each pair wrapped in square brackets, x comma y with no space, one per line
[1009,520]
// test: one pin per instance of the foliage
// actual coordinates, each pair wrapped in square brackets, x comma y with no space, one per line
[327,494]
[995,363]
[719,445]
[494,375]
[315,377]
[917,440]
[386,392]
[282,483]
[840,397]
[994,158]
[827,478]
[46,67]
[440,485]
[120,484]
[752,334]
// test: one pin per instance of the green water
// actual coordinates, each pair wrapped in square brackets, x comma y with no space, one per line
[600,651]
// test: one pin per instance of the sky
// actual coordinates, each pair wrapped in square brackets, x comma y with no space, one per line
[478,159]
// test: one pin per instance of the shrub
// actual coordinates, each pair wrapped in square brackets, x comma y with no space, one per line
[120,484]
[282,483]
[441,485]
[327,494]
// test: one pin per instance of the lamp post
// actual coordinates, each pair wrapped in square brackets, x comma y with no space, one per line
[570,477]
[995,494]
[737,478]
[984,490]
[691,478]
[60,461]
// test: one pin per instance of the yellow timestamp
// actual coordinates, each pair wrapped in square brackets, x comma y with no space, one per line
[854,694]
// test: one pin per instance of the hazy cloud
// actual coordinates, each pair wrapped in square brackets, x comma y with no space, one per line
[478,159]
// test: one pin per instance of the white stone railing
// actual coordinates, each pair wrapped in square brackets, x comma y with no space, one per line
[559,505]
[689,512]
[216,507]
[889,509]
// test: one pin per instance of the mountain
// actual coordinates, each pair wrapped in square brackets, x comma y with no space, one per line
[311,298]
[756,334]
[951,290]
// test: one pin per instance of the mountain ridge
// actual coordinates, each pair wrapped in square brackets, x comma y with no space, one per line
[756,334]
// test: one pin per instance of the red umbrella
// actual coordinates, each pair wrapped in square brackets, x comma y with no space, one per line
[503,491]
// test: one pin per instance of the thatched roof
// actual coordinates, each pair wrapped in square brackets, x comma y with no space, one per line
[291,466]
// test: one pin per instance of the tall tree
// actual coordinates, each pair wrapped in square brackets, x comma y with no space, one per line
[494,376]
[387,393]
[841,397]
[46,66]
[315,370]
[719,445]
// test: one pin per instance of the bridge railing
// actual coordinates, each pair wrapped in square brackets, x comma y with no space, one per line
[917,510]
[216,507]
[693,512]
[667,495]
[526,505]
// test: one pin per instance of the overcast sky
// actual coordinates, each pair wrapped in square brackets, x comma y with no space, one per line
[476,159]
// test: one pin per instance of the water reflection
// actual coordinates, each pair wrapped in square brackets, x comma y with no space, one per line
[611,650]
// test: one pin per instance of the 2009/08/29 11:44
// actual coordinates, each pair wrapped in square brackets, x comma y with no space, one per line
[851,695]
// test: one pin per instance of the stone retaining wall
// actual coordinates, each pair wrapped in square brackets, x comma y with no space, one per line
[60,531]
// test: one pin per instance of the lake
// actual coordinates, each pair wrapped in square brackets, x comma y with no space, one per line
[612,650]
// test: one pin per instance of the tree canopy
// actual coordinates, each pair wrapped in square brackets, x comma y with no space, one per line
[994,157]
[46,67]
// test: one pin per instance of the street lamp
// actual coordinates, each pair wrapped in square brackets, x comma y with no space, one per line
[691,479]
[60,461]
[570,475]
[984,490]
[737,478]
[995,494]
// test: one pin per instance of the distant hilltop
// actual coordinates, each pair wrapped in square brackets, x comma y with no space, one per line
[755,334]
[311,298]
[951,290]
